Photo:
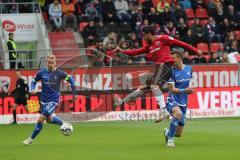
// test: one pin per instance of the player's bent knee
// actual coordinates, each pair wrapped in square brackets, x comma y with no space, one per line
[41,119]
[178,115]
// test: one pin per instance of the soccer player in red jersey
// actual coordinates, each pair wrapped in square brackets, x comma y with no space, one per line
[157,50]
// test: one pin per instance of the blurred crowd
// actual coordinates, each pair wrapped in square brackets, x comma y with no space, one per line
[105,23]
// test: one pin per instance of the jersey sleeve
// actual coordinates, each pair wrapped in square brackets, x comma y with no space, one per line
[37,78]
[62,74]
[69,79]
[172,41]
[137,51]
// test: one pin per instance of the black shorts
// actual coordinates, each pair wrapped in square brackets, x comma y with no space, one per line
[21,101]
[161,74]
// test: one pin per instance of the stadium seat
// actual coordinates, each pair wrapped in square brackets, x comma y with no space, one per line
[125,27]
[82,25]
[203,22]
[112,27]
[237,33]
[214,47]
[190,23]
[155,2]
[201,13]
[190,13]
[203,47]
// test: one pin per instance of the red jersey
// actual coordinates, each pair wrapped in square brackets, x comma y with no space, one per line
[159,50]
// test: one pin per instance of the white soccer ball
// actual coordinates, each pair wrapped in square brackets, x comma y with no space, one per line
[66,129]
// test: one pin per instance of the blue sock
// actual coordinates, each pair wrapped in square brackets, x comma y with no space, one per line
[172,128]
[37,130]
[56,120]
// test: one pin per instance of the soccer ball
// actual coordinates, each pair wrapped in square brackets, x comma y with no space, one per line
[66,129]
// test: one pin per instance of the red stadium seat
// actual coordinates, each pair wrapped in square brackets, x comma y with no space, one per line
[214,47]
[201,13]
[203,47]
[190,13]
[237,33]
[155,2]
[82,25]
[203,22]
[190,23]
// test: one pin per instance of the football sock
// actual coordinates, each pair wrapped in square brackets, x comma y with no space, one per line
[159,96]
[37,130]
[172,128]
[56,120]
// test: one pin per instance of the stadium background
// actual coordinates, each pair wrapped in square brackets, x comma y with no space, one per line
[85,51]
[211,25]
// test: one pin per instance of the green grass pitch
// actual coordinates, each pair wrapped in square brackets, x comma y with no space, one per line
[203,139]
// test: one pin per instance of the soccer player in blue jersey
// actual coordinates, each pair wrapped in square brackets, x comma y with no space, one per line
[51,78]
[178,97]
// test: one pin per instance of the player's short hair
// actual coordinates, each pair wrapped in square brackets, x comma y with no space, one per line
[148,29]
[51,56]
[178,53]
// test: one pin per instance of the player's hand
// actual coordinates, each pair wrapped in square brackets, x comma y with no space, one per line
[190,90]
[33,92]
[200,53]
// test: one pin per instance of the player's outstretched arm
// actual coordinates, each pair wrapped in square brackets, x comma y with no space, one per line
[34,82]
[73,86]
[134,51]
[172,41]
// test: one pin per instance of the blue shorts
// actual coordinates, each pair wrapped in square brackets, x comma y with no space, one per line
[171,104]
[48,108]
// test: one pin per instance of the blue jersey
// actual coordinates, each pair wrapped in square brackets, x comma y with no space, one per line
[51,82]
[181,79]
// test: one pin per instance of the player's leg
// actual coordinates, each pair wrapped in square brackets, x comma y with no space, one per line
[14,112]
[50,109]
[163,113]
[24,103]
[179,131]
[130,97]
[157,81]
[37,130]
[181,124]
[47,110]
[55,120]
[170,133]
[158,78]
